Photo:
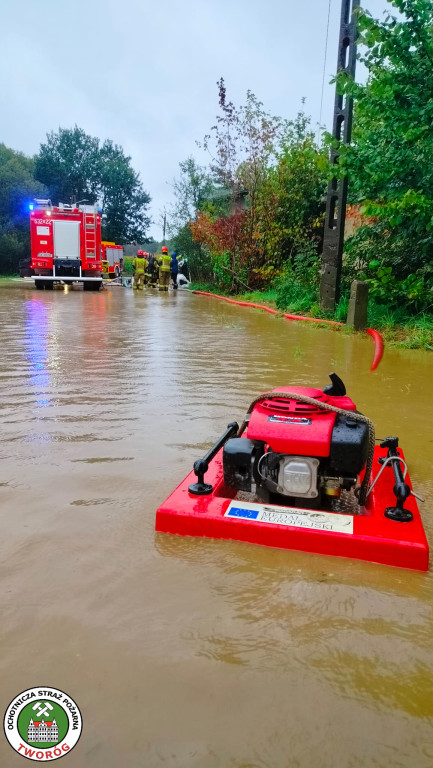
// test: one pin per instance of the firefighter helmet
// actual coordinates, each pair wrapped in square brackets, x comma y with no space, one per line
[139,253]
[145,253]
[164,249]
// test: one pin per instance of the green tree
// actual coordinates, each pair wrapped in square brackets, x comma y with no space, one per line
[17,189]
[389,163]
[123,199]
[192,187]
[291,202]
[242,147]
[75,167]
[199,257]
[68,165]
[263,211]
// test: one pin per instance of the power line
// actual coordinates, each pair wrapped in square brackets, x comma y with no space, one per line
[324,63]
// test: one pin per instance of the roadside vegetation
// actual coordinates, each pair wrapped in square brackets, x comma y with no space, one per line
[127,265]
[398,328]
[252,219]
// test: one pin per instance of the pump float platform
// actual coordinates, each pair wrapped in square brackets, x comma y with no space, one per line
[283,478]
[370,536]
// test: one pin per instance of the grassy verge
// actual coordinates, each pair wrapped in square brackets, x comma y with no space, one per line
[397,327]
[403,331]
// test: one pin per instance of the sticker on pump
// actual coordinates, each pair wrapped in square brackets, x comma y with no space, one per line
[297,518]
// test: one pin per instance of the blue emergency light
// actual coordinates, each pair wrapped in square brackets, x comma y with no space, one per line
[31,206]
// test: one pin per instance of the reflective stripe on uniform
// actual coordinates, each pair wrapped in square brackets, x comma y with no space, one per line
[139,264]
[164,261]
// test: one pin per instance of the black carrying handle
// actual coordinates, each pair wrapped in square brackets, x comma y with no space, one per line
[201,466]
[401,489]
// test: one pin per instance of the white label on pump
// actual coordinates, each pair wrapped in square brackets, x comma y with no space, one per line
[42,230]
[297,518]
[298,420]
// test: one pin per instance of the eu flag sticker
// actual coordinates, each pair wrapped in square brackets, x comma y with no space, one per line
[246,514]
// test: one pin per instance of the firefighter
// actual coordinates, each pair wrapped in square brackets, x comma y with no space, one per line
[139,265]
[152,270]
[174,268]
[164,269]
[146,273]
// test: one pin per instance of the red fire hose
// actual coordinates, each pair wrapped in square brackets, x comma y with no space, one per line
[375,335]
[378,347]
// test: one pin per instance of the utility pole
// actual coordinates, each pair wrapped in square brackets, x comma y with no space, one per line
[333,238]
[164,227]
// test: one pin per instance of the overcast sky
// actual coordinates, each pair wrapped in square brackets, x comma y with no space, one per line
[144,73]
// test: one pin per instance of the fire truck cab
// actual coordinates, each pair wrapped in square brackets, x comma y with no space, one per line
[112,259]
[65,244]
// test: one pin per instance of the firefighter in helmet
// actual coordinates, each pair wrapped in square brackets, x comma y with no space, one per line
[164,269]
[139,265]
[146,271]
[152,270]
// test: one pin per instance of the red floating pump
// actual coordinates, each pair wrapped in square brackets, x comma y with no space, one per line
[303,472]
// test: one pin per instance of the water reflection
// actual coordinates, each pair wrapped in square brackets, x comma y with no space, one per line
[37,350]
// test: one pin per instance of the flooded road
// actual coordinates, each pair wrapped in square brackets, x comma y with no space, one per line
[194,653]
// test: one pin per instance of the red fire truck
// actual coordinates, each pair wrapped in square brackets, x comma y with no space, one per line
[65,244]
[112,259]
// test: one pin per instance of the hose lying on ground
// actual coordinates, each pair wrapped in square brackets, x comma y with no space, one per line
[375,335]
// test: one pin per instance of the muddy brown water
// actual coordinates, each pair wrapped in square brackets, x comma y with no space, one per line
[182,652]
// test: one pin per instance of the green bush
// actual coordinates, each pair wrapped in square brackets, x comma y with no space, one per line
[297,287]
[14,246]
[127,265]
[385,259]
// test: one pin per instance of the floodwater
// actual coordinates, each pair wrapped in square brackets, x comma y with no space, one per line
[182,652]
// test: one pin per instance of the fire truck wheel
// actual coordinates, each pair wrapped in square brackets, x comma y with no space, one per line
[49,285]
[93,286]
[39,285]
[116,271]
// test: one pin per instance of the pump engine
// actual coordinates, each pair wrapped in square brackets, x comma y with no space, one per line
[297,452]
